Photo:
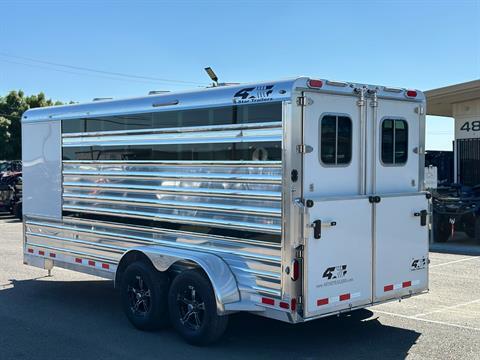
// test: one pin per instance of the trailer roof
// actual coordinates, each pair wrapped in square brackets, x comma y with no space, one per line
[249,93]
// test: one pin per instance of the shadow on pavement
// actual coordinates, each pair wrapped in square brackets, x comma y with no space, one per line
[41,318]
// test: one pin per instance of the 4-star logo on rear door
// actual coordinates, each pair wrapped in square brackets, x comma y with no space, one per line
[335,272]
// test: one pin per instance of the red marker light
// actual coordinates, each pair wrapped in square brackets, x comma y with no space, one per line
[411,93]
[315,83]
[284,305]
[268,301]
[293,304]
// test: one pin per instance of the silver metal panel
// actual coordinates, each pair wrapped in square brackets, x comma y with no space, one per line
[42,164]
[256,265]
[191,99]
[219,96]
[236,196]
[260,133]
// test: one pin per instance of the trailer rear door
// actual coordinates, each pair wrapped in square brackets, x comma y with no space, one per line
[338,256]
[400,236]
[400,246]
[338,251]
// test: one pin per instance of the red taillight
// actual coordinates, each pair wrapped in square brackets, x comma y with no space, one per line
[411,93]
[295,270]
[283,305]
[293,304]
[315,83]
[268,301]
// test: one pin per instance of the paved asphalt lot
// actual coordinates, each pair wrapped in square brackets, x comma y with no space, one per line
[73,316]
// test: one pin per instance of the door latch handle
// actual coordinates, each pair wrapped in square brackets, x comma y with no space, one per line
[317,227]
[423,217]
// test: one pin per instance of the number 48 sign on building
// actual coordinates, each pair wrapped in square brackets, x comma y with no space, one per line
[467,120]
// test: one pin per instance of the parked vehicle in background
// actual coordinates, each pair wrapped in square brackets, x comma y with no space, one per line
[456,208]
[292,200]
[444,162]
[11,187]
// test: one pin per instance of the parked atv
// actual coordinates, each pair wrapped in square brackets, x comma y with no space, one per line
[11,187]
[456,208]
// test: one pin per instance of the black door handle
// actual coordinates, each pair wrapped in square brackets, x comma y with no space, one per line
[423,217]
[317,229]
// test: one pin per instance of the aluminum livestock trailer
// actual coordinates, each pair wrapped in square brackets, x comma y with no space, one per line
[293,200]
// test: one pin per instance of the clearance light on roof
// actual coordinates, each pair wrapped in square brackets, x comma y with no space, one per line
[315,83]
[411,93]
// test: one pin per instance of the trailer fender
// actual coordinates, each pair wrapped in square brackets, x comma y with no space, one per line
[221,277]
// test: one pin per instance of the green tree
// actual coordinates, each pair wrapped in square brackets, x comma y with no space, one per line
[12,107]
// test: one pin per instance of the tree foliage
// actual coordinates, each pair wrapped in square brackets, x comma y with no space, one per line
[12,107]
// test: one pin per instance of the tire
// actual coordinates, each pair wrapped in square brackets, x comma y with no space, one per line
[144,294]
[442,229]
[193,309]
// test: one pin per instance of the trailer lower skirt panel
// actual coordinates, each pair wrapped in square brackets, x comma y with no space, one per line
[96,245]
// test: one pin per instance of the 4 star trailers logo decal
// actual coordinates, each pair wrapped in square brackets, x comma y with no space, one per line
[335,275]
[335,272]
[254,94]
[419,264]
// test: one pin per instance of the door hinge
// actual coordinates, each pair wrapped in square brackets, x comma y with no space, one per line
[304,101]
[304,149]
[420,110]
[299,252]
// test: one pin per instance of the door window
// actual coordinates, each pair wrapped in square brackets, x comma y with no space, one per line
[335,140]
[394,142]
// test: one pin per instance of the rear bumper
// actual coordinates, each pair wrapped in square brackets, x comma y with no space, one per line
[366,306]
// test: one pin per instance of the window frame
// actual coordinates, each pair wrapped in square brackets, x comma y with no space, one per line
[336,165]
[394,119]
[239,112]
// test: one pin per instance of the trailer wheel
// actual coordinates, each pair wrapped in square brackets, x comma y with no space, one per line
[193,309]
[144,296]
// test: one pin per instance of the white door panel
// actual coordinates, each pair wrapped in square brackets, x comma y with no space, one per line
[401,247]
[393,178]
[339,263]
[330,180]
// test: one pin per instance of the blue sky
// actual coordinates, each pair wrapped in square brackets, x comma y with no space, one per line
[416,44]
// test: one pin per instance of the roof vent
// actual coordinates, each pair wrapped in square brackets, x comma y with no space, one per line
[157,92]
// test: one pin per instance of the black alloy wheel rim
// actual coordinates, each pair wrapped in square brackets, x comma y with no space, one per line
[139,296]
[191,308]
